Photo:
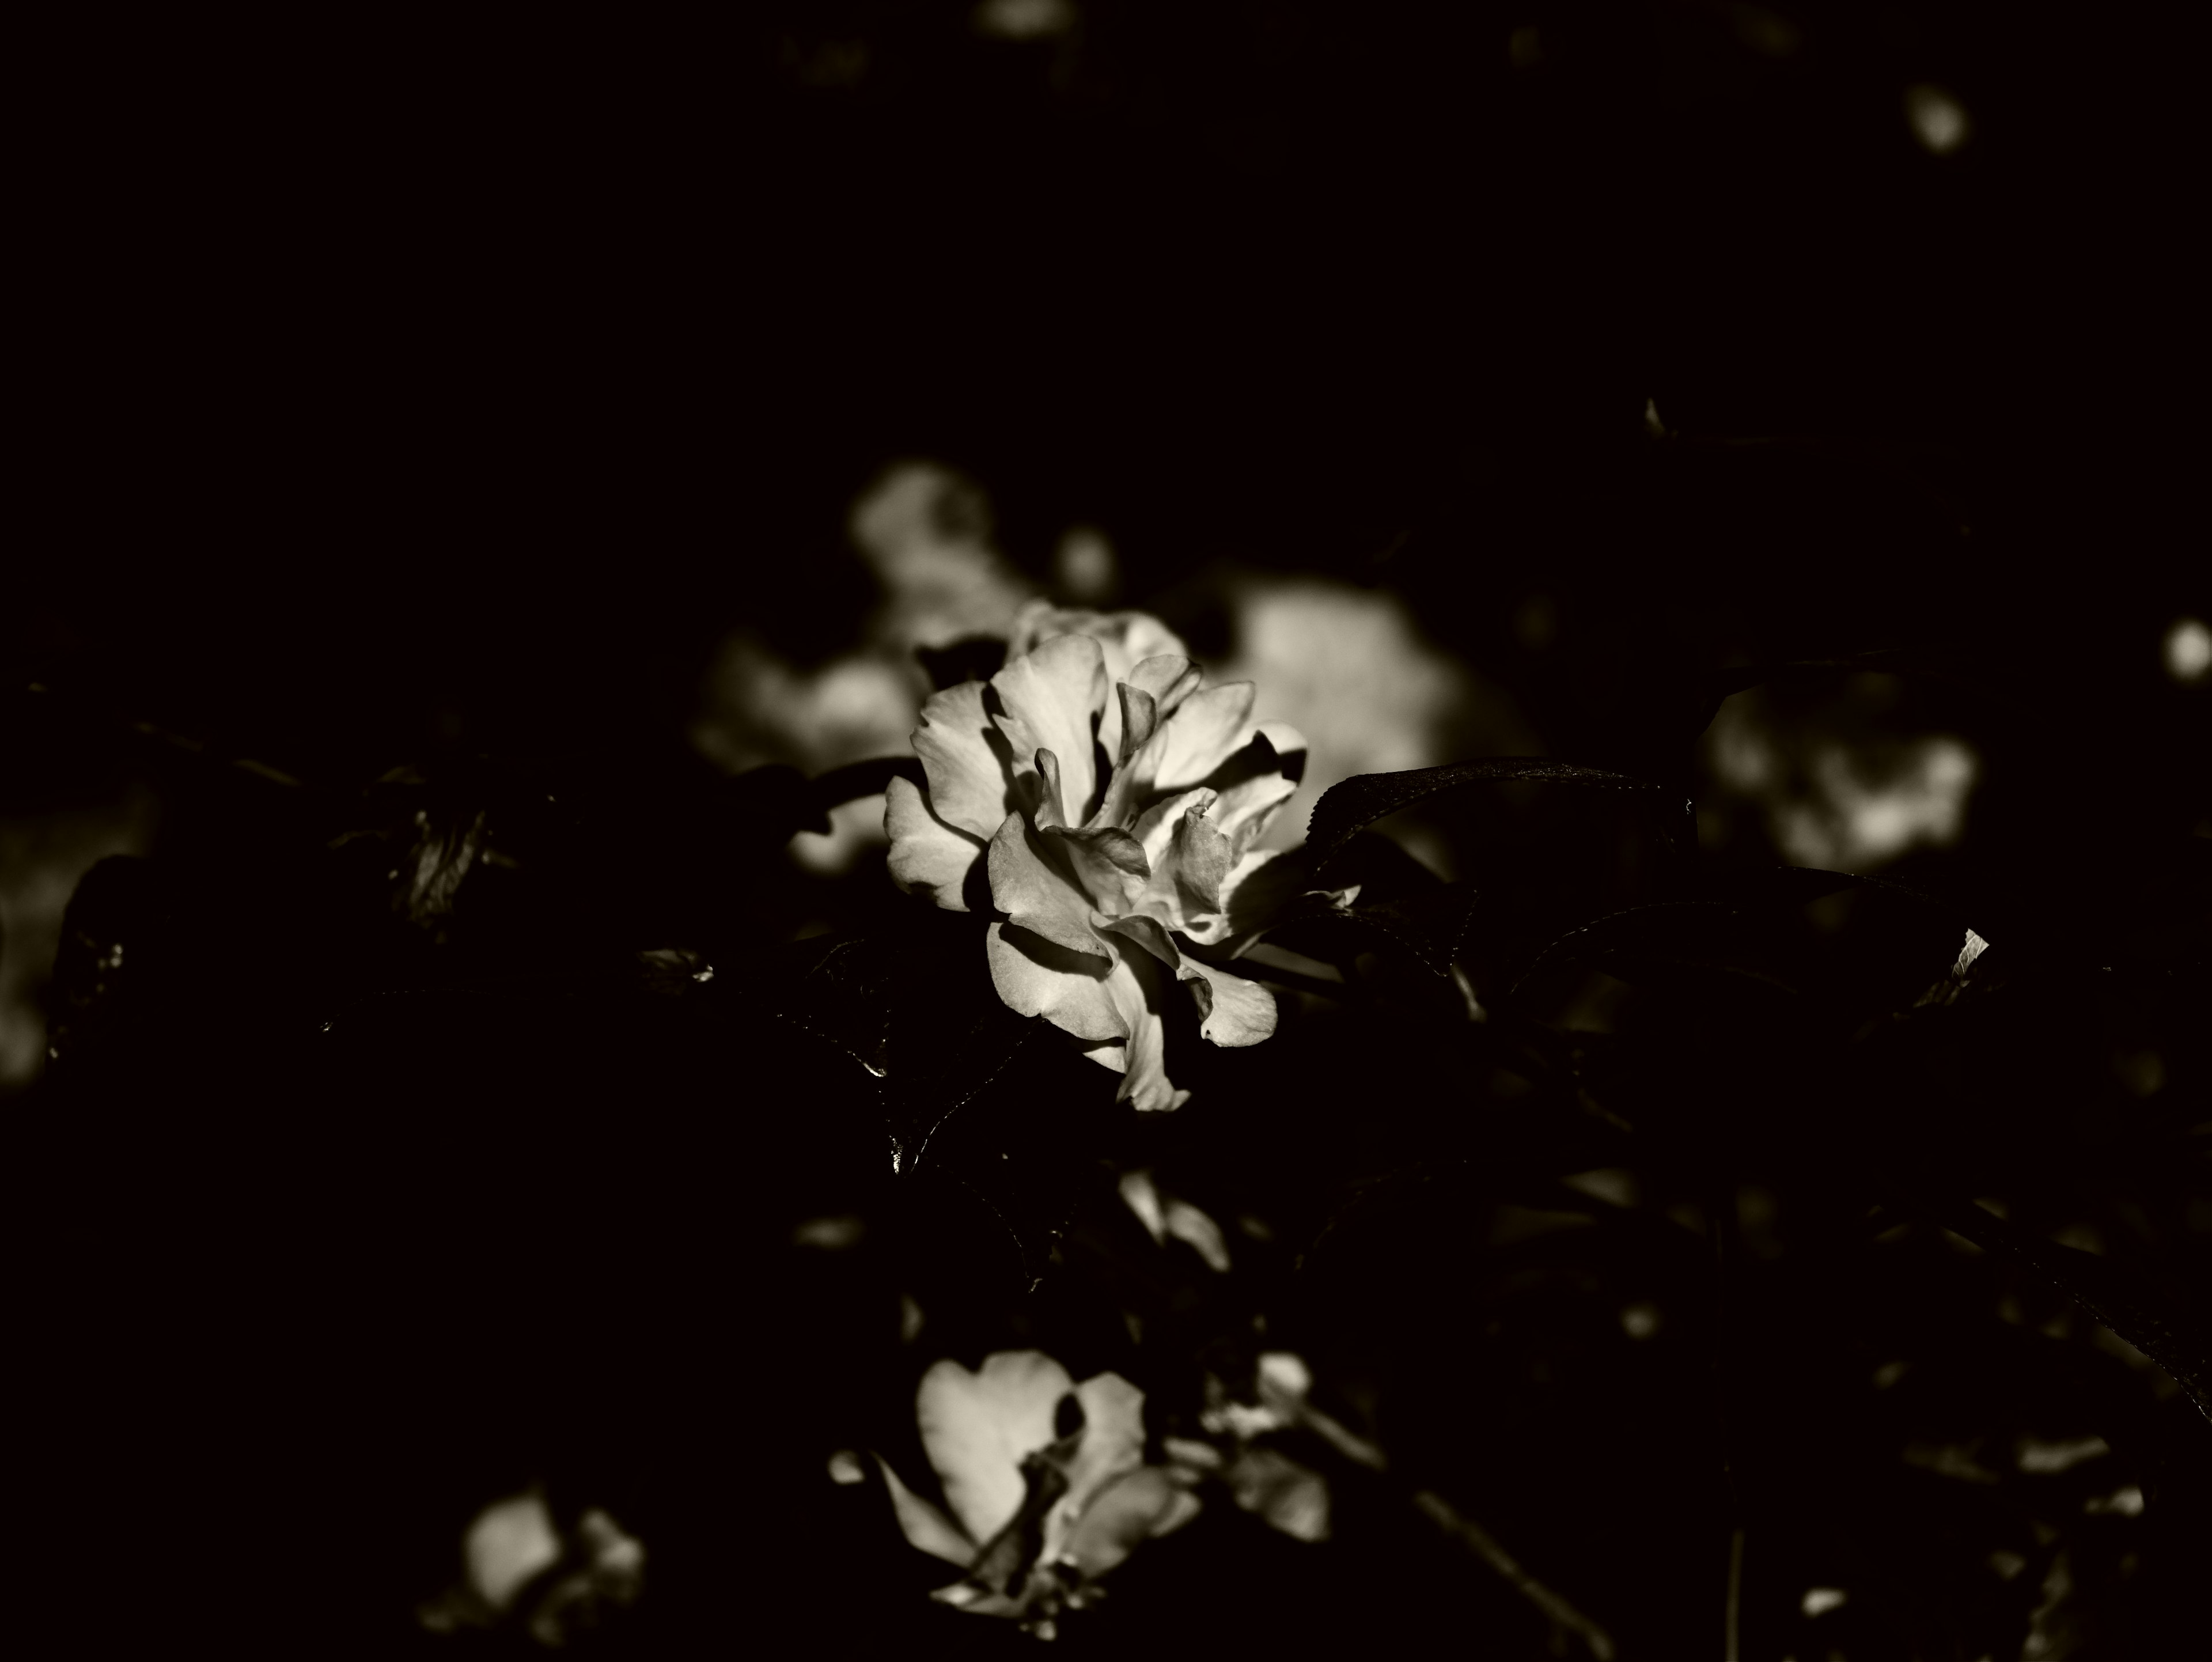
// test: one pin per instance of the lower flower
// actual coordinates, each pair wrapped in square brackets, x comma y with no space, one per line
[1044,1480]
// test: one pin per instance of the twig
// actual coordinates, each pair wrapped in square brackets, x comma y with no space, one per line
[1727,1249]
[1561,1614]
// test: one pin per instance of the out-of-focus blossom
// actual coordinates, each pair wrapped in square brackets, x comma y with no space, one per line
[1114,819]
[1163,1216]
[1284,1493]
[1350,668]
[925,533]
[1035,1517]
[520,1570]
[1839,794]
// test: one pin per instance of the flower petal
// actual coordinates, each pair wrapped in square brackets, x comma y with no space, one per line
[1125,636]
[1109,865]
[924,1525]
[1209,728]
[1292,1497]
[1233,1011]
[1146,1502]
[927,854]
[1049,806]
[966,760]
[1054,699]
[1037,896]
[1071,991]
[1141,719]
[975,1427]
[1237,1012]
[1139,995]
[1113,1440]
[1170,678]
[1154,829]
[1256,781]
[1185,891]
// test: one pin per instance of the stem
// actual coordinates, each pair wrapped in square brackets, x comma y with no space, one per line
[1727,1248]
[1563,1616]
[1734,1594]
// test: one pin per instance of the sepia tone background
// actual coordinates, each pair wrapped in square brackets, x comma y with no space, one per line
[632,400]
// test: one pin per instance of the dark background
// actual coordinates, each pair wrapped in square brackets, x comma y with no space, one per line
[381,369]
[398,384]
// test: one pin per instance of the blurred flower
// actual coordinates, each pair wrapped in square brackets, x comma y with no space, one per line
[1037,1517]
[1163,1216]
[1117,832]
[1282,1493]
[923,532]
[1352,669]
[511,1554]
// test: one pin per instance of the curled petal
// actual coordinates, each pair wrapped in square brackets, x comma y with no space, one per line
[1139,994]
[1147,934]
[1141,719]
[976,1427]
[1168,678]
[1198,860]
[1108,865]
[927,855]
[1036,895]
[1209,728]
[965,759]
[1071,991]
[1054,699]
[1049,806]
[1235,1011]
[1232,1010]
[1155,828]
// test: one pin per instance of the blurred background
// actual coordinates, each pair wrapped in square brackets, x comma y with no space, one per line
[517,389]
[633,397]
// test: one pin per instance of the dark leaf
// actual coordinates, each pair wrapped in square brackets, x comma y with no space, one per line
[1427,927]
[1664,940]
[981,1104]
[110,945]
[1349,807]
[2109,1293]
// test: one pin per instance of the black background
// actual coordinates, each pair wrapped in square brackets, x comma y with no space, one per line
[387,370]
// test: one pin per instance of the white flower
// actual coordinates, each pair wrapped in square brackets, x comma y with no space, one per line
[1037,1517]
[1113,805]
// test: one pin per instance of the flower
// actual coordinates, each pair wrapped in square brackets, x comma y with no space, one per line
[1111,804]
[1037,1517]
[514,1556]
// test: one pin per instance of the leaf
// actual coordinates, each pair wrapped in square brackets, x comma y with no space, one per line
[1652,941]
[1347,809]
[981,1106]
[1428,928]
[2112,1294]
